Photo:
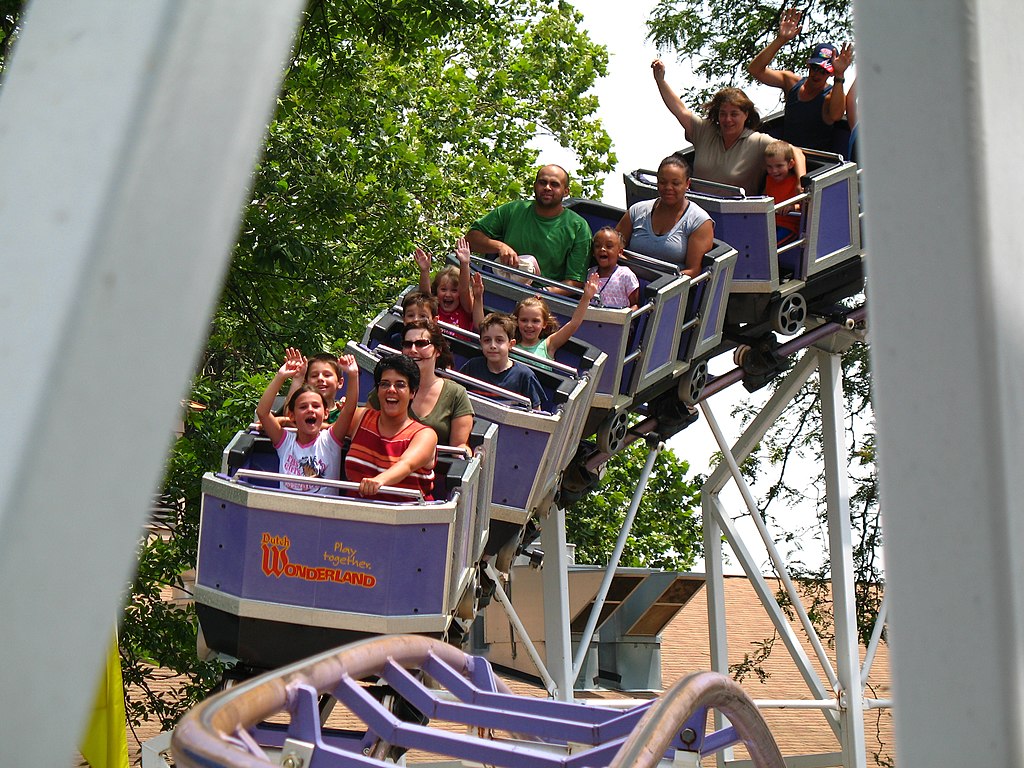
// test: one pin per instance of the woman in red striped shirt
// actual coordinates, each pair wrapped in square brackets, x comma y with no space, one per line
[389,447]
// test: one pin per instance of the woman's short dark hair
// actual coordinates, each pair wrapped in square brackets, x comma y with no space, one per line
[675,161]
[445,359]
[738,99]
[400,364]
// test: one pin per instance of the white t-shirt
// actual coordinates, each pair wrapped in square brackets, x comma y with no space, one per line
[320,458]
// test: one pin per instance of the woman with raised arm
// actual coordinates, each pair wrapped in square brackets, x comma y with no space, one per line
[728,148]
[670,228]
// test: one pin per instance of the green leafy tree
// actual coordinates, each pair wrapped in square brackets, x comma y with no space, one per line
[377,149]
[667,530]
[720,37]
[397,125]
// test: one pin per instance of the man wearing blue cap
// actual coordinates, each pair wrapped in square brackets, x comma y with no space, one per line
[812,105]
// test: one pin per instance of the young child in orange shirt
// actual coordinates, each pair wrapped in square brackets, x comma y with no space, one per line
[782,184]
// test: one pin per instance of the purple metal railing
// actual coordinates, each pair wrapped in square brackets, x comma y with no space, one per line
[224,731]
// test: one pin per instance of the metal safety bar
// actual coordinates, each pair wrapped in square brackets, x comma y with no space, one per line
[536,278]
[650,262]
[258,474]
[553,364]
[731,189]
[479,385]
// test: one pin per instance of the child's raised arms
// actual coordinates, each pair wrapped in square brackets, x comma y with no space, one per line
[465,282]
[462,252]
[289,370]
[350,369]
[563,334]
[422,259]
[478,301]
[293,353]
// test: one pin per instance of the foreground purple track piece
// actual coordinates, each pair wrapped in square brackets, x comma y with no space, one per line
[224,730]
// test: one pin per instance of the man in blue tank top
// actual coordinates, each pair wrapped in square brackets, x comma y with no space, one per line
[557,237]
[812,105]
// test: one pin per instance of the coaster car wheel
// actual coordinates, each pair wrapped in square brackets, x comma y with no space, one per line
[467,605]
[504,557]
[611,434]
[692,383]
[789,314]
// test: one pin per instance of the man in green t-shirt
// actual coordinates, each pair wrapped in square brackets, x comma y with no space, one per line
[558,238]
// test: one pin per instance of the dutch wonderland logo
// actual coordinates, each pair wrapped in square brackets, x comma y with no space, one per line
[276,563]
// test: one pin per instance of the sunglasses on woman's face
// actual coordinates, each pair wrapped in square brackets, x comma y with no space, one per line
[418,343]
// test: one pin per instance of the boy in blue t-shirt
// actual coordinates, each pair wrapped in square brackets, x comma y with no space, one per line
[497,337]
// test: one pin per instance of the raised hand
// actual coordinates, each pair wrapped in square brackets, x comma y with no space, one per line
[789,24]
[842,60]
[478,287]
[294,364]
[659,69]
[591,287]
[422,259]
[349,367]
[462,250]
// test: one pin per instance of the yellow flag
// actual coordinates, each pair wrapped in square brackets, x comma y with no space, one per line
[105,744]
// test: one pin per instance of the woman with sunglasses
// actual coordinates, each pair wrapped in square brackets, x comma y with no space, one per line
[389,447]
[439,403]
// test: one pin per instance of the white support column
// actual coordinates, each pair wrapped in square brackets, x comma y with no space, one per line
[714,586]
[943,165]
[555,583]
[711,508]
[764,592]
[840,540]
[715,583]
[129,131]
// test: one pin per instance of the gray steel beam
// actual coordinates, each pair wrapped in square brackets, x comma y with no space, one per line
[840,548]
[943,165]
[129,131]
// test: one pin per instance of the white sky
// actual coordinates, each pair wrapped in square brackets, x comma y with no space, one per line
[643,132]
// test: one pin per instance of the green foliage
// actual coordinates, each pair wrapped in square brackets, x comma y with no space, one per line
[374,150]
[722,36]
[157,638]
[397,125]
[667,531]
[753,663]
[10,18]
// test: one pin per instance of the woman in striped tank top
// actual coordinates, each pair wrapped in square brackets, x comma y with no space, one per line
[388,446]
